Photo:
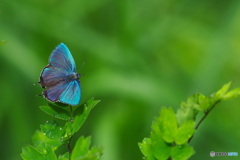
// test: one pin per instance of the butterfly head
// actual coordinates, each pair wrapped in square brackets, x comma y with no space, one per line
[73,76]
[76,75]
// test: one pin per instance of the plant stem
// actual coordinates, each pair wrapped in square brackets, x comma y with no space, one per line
[69,145]
[71,113]
[205,115]
[70,139]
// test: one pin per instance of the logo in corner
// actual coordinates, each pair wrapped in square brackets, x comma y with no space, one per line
[212,154]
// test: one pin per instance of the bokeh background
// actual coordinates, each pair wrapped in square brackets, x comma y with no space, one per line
[140,55]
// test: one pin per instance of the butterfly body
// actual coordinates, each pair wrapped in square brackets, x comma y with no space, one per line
[59,78]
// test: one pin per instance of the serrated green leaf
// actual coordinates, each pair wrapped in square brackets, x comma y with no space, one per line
[168,124]
[58,104]
[81,148]
[30,153]
[39,139]
[145,148]
[159,148]
[185,115]
[188,110]
[232,94]
[80,116]
[221,92]
[194,101]
[185,132]
[48,153]
[201,101]
[2,42]
[64,156]
[69,131]
[56,112]
[181,152]
[52,130]
[205,103]
[94,154]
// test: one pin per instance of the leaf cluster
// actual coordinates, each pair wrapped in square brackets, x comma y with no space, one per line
[171,132]
[54,134]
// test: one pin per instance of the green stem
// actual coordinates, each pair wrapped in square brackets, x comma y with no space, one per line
[70,139]
[69,145]
[71,113]
[206,113]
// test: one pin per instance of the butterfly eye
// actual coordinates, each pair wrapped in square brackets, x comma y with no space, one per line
[77,75]
[74,76]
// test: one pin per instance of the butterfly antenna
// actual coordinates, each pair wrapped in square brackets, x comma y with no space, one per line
[83,63]
[39,95]
[83,74]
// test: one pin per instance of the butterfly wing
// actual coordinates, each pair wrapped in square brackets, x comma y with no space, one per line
[52,76]
[62,58]
[72,94]
[53,93]
[68,93]
[55,77]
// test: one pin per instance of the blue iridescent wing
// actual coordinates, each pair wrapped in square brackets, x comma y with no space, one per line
[53,93]
[57,77]
[72,94]
[52,76]
[62,58]
[68,93]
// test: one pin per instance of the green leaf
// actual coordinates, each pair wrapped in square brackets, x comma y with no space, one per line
[30,153]
[168,124]
[43,153]
[94,154]
[48,153]
[188,110]
[181,152]
[221,92]
[52,130]
[185,132]
[81,150]
[69,131]
[194,101]
[58,104]
[169,136]
[56,112]
[160,149]
[2,42]
[64,157]
[145,148]
[185,115]
[39,139]
[232,94]
[204,102]
[80,116]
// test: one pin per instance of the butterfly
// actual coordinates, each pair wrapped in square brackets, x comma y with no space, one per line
[59,77]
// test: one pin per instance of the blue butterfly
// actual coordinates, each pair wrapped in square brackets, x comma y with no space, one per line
[60,79]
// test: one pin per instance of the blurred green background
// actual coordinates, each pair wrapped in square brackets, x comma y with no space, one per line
[140,55]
